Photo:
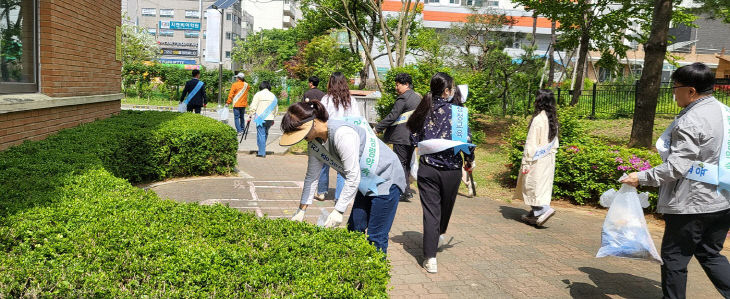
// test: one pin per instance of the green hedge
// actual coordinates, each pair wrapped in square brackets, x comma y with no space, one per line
[72,225]
[584,166]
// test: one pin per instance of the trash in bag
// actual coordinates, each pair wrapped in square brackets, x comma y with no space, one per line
[322,217]
[625,233]
[222,113]
[183,107]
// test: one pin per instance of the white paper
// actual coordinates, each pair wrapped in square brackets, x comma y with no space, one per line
[212,36]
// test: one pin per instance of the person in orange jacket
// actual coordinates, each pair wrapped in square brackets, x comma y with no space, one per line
[239,97]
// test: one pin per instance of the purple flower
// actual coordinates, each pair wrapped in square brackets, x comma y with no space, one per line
[619,160]
[594,167]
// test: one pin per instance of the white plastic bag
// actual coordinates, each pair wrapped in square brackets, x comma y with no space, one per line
[625,233]
[222,113]
[414,164]
[182,107]
[322,217]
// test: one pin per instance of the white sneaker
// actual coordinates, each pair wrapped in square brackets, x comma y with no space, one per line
[320,197]
[544,217]
[430,265]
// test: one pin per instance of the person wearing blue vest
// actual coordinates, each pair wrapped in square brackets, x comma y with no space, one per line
[373,174]
[694,183]
[440,130]
[194,93]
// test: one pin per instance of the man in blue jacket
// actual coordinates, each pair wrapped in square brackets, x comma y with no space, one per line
[194,93]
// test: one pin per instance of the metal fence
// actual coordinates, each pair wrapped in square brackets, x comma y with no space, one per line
[612,100]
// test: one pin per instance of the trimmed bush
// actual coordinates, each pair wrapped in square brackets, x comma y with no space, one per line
[584,167]
[72,225]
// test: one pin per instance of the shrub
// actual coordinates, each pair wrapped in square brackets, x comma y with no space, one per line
[72,225]
[585,167]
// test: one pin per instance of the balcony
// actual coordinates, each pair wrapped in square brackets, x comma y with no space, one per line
[288,9]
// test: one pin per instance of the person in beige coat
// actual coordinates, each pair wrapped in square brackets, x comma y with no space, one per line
[535,180]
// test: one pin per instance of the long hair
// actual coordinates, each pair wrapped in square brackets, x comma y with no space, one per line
[300,111]
[339,91]
[545,101]
[439,83]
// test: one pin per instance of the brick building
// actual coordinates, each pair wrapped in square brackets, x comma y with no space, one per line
[58,66]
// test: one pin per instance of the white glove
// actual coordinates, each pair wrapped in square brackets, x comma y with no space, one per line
[299,216]
[334,219]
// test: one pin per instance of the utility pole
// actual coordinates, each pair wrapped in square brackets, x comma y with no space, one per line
[220,61]
[200,34]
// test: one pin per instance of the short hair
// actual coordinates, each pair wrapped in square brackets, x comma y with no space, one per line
[265,85]
[404,79]
[314,80]
[196,72]
[696,75]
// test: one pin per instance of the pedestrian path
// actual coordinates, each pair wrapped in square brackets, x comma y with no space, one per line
[248,145]
[490,253]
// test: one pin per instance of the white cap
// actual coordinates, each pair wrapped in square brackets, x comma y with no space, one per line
[239,75]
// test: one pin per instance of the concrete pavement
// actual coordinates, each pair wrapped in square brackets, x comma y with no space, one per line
[490,253]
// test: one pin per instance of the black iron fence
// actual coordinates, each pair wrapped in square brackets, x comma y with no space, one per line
[612,100]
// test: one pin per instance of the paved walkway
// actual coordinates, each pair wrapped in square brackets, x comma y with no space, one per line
[491,254]
[248,145]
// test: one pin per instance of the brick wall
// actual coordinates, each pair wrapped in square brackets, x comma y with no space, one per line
[77,47]
[38,124]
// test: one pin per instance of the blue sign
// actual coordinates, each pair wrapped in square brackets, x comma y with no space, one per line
[177,61]
[175,25]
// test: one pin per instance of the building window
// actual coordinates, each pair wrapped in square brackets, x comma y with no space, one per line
[150,12]
[167,32]
[191,34]
[192,14]
[18,41]
[457,2]
[493,3]
[228,54]
[228,17]
[152,31]
[228,35]
[167,13]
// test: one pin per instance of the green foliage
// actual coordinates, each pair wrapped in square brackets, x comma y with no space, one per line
[584,167]
[138,45]
[139,79]
[266,49]
[72,226]
[420,73]
[322,57]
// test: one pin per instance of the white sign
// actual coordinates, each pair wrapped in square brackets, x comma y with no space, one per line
[192,14]
[213,35]
[167,12]
[149,11]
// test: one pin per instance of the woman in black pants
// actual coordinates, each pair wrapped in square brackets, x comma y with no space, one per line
[440,130]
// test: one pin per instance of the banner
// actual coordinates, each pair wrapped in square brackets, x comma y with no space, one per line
[176,25]
[179,52]
[213,35]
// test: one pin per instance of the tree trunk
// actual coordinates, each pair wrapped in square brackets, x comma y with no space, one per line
[647,90]
[551,56]
[582,53]
[364,75]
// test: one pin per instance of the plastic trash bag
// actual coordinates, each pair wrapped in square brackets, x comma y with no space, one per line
[322,217]
[625,233]
[414,164]
[182,107]
[222,113]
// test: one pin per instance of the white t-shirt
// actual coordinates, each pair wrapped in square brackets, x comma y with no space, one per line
[340,113]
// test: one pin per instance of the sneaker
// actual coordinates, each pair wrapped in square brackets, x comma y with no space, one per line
[406,197]
[430,265]
[544,217]
[526,218]
[320,196]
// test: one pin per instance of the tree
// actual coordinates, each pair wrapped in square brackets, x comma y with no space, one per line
[397,30]
[322,57]
[602,26]
[655,52]
[480,34]
[138,45]
[267,49]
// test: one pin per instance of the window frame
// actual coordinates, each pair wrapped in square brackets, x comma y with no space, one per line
[167,16]
[28,87]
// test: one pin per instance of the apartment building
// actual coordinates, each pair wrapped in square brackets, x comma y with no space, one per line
[179,28]
[272,14]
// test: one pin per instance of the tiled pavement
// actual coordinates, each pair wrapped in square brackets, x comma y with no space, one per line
[490,254]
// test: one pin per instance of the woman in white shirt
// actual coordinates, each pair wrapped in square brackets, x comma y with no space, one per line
[263,107]
[339,104]
[373,174]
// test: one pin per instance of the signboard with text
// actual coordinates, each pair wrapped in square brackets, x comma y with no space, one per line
[178,44]
[176,61]
[179,52]
[176,25]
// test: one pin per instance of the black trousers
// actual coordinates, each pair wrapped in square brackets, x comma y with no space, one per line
[195,109]
[698,235]
[438,189]
[404,153]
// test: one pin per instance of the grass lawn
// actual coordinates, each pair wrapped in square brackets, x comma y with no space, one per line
[149,101]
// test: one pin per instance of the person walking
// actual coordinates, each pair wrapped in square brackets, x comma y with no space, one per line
[239,97]
[194,93]
[394,125]
[372,171]
[313,94]
[263,109]
[537,171]
[694,183]
[440,129]
[339,104]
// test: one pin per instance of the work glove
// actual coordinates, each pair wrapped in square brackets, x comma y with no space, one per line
[334,219]
[298,216]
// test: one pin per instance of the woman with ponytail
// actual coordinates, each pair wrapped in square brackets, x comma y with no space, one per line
[440,130]
[372,173]
[535,180]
